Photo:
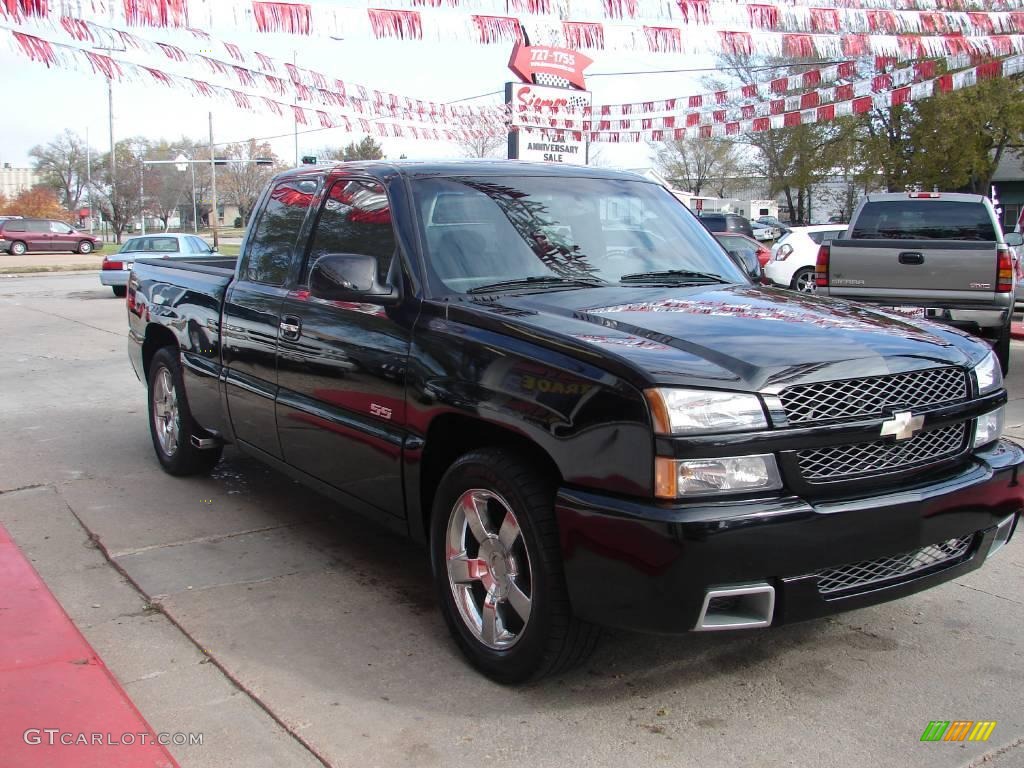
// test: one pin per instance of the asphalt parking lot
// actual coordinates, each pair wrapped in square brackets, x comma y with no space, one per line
[251,610]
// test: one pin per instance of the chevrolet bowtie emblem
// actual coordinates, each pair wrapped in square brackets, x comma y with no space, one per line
[903,425]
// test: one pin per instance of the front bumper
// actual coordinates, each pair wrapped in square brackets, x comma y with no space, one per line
[648,567]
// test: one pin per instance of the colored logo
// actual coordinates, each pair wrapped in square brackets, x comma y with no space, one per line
[958,730]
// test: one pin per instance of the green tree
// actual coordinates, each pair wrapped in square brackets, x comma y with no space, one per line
[62,164]
[366,149]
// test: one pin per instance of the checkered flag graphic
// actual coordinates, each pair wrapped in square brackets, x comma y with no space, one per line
[543,78]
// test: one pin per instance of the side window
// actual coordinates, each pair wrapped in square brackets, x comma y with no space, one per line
[14,226]
[831,235]
[270,246]
[59,228]
[355,218]
[38,226]
[199,246]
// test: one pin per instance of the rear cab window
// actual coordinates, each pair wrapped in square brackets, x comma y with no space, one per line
[924,220]
[270,249]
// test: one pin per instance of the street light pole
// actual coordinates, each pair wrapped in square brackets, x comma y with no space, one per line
[295,119]
[142,191]
[213,188]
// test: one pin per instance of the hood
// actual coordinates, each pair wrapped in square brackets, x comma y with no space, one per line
[735,337]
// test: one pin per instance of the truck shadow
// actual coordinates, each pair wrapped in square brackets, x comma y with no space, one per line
[375,602]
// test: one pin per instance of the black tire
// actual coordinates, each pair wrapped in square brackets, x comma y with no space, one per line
[120,290]
[85,247]
[185,458]
[17,248]
[805,274]
[552,639]
[1002,349]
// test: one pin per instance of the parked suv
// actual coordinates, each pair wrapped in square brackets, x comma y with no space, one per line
[727,222]
[20,235]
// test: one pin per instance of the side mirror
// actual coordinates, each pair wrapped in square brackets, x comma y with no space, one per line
[751,268]
[349,277]
[1014,239]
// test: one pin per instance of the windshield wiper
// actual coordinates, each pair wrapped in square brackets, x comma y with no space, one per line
[537,281]
[684,275]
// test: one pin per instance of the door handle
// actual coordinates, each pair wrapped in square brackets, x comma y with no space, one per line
[291,327]
[911,257]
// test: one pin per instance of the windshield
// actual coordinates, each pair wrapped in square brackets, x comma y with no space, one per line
[490,230]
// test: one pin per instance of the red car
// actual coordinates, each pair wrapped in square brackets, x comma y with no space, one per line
[20,235]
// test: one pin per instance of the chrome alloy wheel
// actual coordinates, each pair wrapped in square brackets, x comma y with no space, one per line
[806,283]
[166,420]
[489,568]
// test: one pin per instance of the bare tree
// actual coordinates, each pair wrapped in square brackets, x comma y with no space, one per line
[62,165]
[697,163]
[485,145]
[242,182]
[120,203]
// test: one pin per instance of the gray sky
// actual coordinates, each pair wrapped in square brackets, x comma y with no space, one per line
[41,102]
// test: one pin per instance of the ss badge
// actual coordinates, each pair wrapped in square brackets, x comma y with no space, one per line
[380,410]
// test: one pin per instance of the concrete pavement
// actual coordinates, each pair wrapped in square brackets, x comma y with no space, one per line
[245,607]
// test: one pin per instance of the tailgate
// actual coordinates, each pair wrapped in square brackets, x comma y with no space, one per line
[917,272]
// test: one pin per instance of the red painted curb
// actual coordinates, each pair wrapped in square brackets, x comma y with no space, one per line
[52,679]
[1017,331]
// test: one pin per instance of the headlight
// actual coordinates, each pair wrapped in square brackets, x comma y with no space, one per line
[696,411]
[784,250]
[988,374]
[989,427]
[695,477]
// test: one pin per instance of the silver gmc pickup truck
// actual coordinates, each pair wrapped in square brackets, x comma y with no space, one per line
[938,255]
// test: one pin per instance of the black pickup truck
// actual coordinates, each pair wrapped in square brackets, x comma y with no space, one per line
[558,381]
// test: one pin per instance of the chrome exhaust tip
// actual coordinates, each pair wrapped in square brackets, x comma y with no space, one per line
[1003,533]
[204,443]
[745,606]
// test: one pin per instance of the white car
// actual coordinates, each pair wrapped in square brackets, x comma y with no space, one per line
[764,232]
[795,255]
[117,267]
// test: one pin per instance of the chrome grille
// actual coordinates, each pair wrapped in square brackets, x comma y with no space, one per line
[867,572]
[842,462]
[850,398]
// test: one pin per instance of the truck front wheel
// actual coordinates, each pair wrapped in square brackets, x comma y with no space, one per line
[170,422]
[498,571]
[1002,349]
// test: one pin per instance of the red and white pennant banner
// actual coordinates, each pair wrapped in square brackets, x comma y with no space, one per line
[251,68]
[60,56]
[618,26]
[600,118]
[882,100]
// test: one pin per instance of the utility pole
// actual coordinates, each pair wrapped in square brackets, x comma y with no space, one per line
[295,119]
[88,176]
[213,188]
[113,163]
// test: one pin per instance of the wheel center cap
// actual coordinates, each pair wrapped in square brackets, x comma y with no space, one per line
[499,568]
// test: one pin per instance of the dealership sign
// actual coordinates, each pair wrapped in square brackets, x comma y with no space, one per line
[542,64]
[530,142]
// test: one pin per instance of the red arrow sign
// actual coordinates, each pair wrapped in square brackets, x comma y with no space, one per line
[530,60]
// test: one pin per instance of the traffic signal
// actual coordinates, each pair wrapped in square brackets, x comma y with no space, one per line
[220,161]
[309,159]
[264,161]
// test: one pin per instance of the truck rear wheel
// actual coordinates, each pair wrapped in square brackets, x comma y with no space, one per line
[170,422]
[498,570]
